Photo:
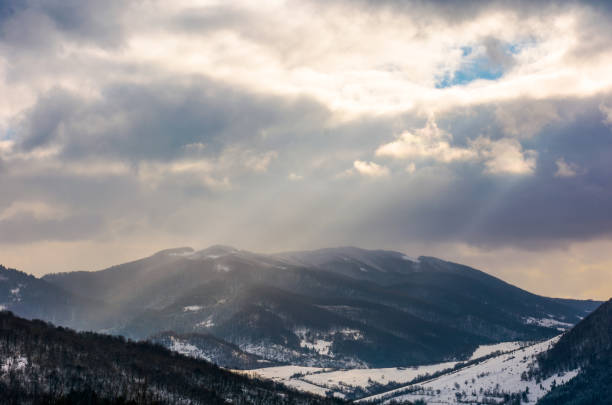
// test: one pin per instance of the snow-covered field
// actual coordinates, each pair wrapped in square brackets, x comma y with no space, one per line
[339,379]
[343,382]
[288,375]
[487,380]
[503,347]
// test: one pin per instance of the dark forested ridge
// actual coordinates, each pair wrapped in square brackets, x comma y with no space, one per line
[35,298]
[587,346]
[44,364]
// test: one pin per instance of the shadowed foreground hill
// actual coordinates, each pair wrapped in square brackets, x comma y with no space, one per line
[587,346]
[44,364]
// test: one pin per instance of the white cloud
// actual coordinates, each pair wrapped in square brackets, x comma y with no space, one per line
[565,169]
[505,156]
[294,176]
[214,173]
[411,168]
[370,169]
[197,171]
[429,142]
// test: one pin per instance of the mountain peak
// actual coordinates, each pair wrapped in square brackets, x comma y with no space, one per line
[180,251]
[215,252]
[220,249]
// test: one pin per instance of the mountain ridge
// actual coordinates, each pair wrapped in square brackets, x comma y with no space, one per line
[373,307]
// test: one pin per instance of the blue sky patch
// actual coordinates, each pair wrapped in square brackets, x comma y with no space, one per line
[477,66]
[476,69]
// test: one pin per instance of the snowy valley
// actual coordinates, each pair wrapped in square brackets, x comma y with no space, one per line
[493,374]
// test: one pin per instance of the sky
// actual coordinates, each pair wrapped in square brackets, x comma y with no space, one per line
[478,132]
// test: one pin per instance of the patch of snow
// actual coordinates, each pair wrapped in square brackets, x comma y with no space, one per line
[548,323]
[353,334]
[410,259]
[192,308]
[185,253]
[320,346]
[208,323]
[15,292]
[187,349]
[363,269]
[305,386]
[222,267]
[284,372]
[14,364]
[269,351]
[504,347]
[321,342]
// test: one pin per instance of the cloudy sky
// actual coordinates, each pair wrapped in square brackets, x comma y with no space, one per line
[475,132]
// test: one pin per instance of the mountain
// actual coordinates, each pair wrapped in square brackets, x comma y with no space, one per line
[587,347]
[43,364]
[342,307]
[32,297]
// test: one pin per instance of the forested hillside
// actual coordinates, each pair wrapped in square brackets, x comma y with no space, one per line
[44,364]
[587,346]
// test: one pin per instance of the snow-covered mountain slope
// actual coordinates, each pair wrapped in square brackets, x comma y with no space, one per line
[210,348]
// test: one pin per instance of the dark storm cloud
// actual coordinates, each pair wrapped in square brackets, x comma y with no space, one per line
[458,11]
[45,121]
[36,23]
[203,19]
[162,119]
